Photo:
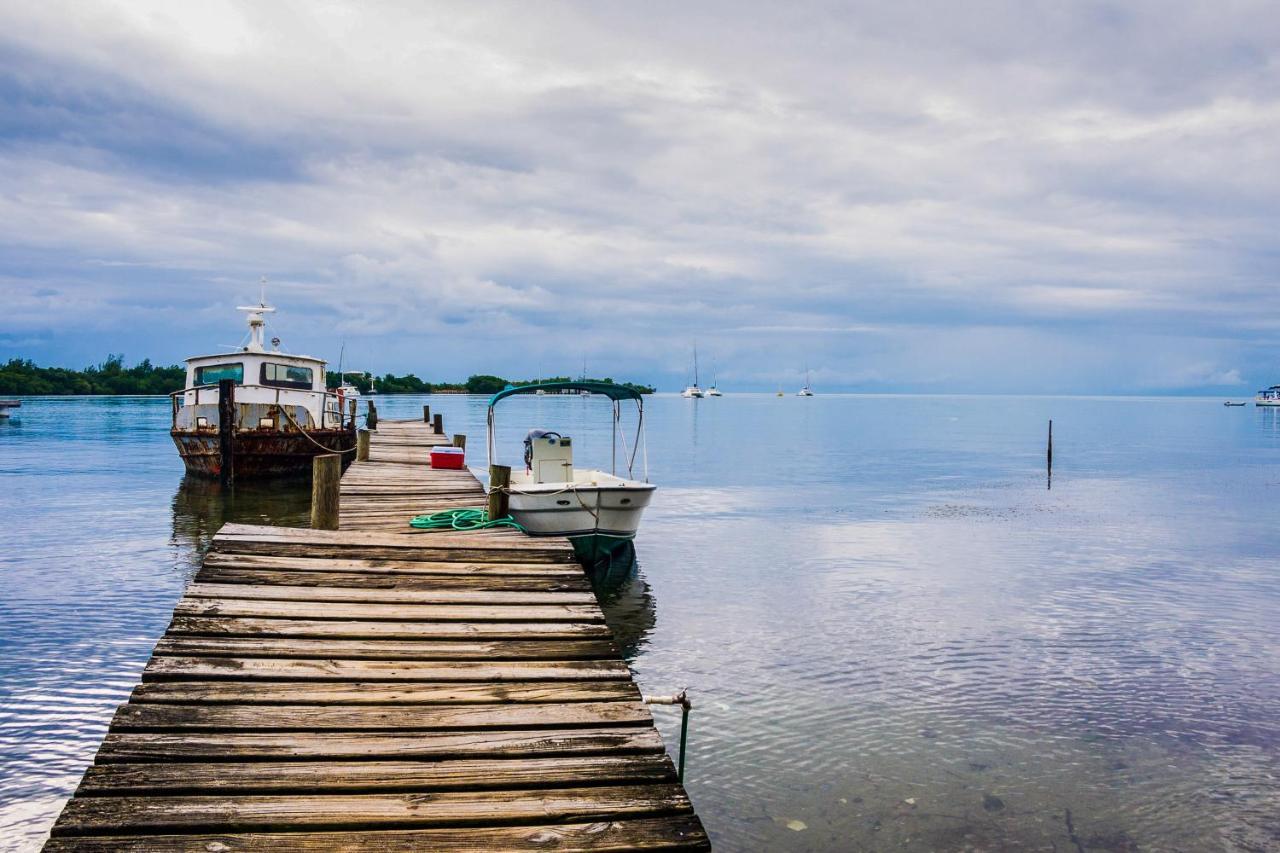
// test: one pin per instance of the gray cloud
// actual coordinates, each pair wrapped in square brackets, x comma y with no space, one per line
[987,196]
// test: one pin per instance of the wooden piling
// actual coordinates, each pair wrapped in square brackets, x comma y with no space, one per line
[227,431]
[362,446]
[326,476]
[372,419]
[499,481]
[438,423]
[460,440]
[1049,452]
[426,414]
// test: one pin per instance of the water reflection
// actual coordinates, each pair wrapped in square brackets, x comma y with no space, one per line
[201,507]
[628,604]
[895,636]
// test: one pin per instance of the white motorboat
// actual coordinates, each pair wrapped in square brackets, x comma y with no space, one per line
[1269,397]
[550,497]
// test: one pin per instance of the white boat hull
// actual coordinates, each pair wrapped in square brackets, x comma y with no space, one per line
[581,509]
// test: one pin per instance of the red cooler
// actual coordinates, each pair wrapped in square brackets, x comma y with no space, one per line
[448,457]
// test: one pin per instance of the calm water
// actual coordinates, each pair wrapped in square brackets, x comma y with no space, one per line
[896,637]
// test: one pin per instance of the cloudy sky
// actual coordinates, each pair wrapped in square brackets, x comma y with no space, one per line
[982,197]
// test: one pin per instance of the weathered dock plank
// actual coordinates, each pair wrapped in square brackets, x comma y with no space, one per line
[669,832]
[371,688]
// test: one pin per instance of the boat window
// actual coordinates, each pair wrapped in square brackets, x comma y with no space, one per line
[211,374]
[286,375]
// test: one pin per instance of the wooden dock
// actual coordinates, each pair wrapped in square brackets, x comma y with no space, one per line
[380,688]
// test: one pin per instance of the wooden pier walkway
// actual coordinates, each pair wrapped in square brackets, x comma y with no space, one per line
[380,688]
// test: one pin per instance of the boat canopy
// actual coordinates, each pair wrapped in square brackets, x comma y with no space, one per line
[608,389]
[616,394]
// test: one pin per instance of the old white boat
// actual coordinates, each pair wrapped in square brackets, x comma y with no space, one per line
[277,412]
[1269,397]
[549,496]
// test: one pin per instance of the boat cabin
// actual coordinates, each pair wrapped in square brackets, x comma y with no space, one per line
[274,391]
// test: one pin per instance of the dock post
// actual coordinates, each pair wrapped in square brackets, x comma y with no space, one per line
[371,420]
[460,440]
[326,474]
[227,431]
[438,424]
[362,446]
[426,414]
[499,502]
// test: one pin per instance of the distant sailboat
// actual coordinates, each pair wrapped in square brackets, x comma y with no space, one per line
[806,391]
[693,391]
[713,391]
[345,388]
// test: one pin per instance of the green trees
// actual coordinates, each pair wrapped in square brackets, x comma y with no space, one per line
[408,384]
[23,376]
[485,384]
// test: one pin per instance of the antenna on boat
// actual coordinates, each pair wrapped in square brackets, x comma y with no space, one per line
[257,323]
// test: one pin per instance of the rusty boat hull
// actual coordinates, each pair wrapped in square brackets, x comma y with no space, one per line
[261,453]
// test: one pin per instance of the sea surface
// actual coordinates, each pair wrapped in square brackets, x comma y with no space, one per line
[896,635]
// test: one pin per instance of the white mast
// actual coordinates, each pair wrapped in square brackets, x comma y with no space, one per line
[257,323]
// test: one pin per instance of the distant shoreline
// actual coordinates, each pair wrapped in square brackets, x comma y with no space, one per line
[111,378]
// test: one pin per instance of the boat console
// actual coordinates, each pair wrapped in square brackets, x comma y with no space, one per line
[548,456]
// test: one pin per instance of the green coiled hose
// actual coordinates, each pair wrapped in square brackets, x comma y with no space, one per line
[462,519]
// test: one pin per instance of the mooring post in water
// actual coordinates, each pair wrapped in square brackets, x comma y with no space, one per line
[227,431]
[426,414]
[326,474]
[371,420]
[499,481]
[353,411]
[460,440]
[437,425]
[1049,455]
[362,446]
